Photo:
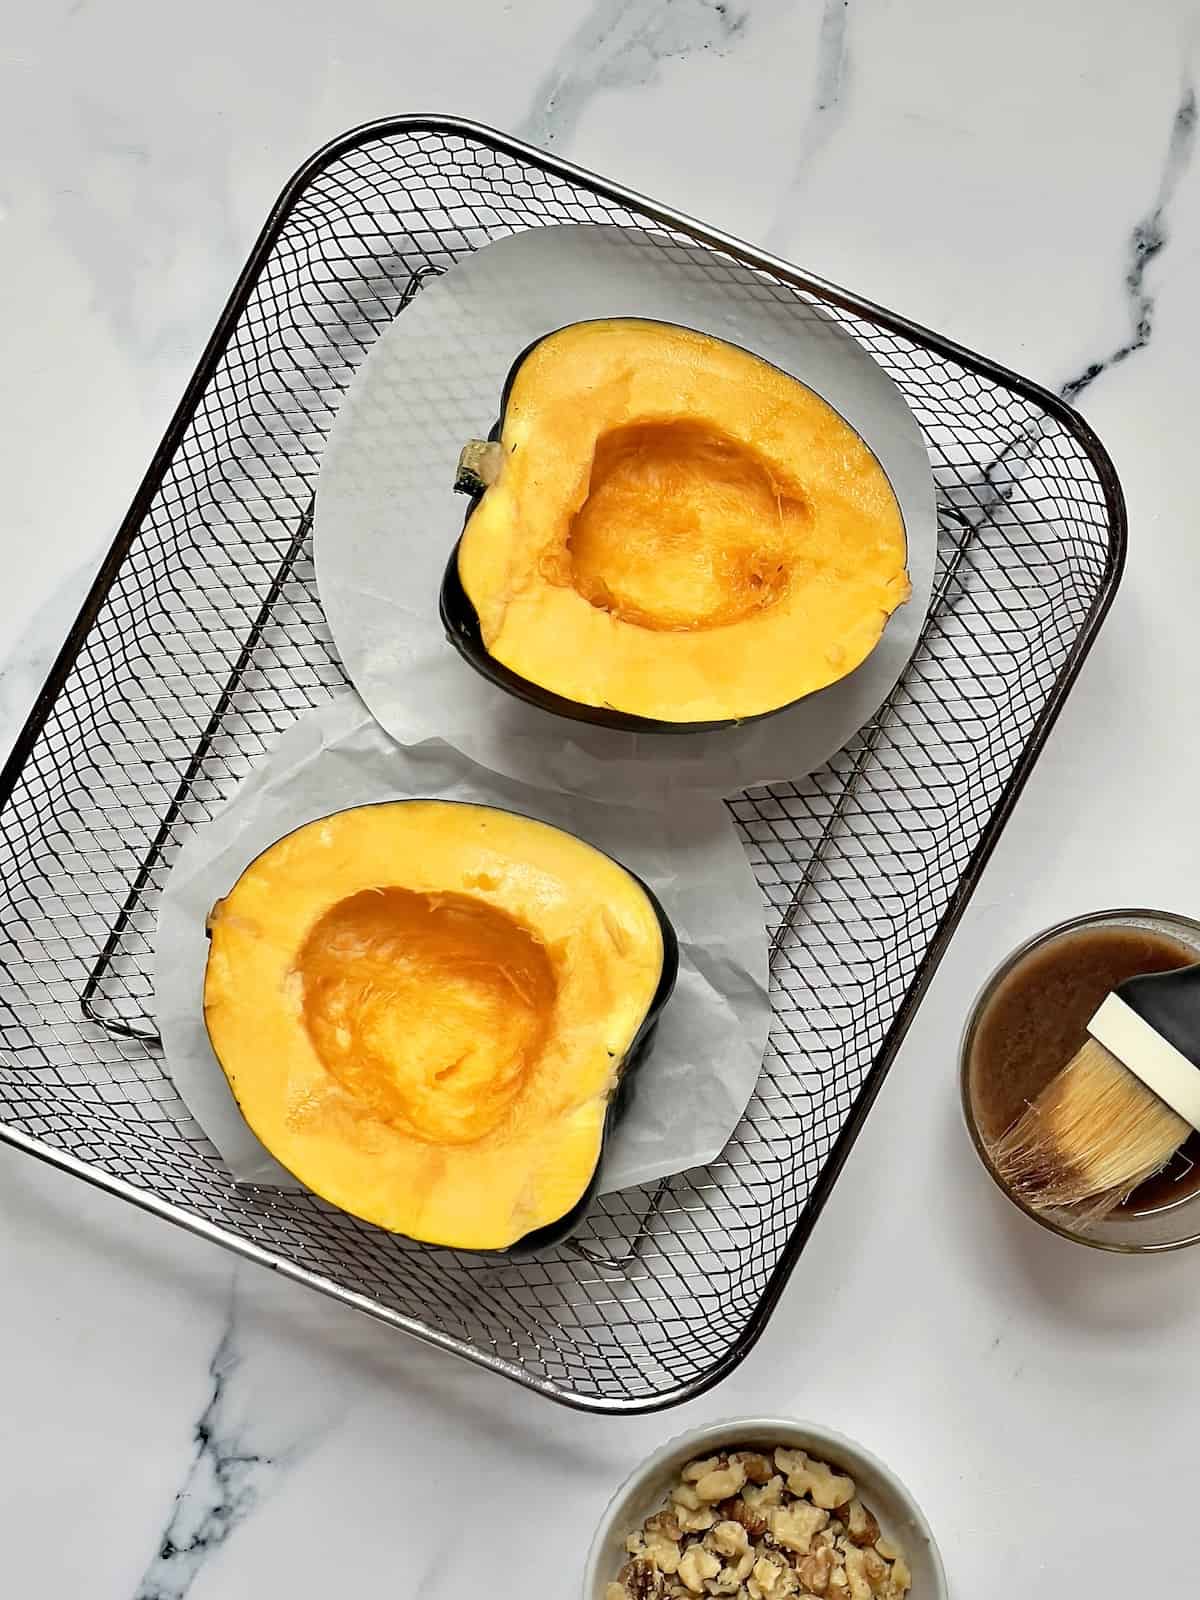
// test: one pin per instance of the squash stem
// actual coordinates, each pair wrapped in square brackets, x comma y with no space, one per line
[478,466]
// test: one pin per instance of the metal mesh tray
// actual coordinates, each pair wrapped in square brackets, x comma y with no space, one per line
[203,637]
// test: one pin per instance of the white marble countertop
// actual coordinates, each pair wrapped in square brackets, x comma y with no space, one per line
[1020,177]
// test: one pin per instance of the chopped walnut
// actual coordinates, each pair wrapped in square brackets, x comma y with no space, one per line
[861,1527]
[788,1585]
[820,1483]
[765,1578]
[757,1467]
[767,1494]
[745,1565]
[876,1570]
[664,1553]
[754,1521]
[860,1585]
[691,1515]
[699,1521]
[729,1538]
[696,1565]
[721,1483]
[640,1580]
[735,1528]
[793,1526]
[726,1582]
[816,1569]
[901,1579]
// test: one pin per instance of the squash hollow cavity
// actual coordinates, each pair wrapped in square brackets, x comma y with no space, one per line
[682,528]
[431,1010]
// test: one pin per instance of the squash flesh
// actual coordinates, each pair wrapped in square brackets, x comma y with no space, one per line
[421,1008]
[679,530]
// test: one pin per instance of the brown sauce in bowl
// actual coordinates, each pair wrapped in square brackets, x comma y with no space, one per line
[1036,1019]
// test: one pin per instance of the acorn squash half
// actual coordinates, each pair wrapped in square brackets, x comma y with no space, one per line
[669,534]
[424,1007]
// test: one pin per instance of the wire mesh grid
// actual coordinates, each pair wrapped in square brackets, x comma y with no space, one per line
[204,638]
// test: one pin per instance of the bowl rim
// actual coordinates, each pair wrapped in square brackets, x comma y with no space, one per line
[843,1451]
[1189,930]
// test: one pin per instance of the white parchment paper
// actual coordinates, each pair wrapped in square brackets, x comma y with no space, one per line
[386,519]
[690,1091]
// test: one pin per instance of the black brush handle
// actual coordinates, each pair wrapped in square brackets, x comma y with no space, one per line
[1170,1003]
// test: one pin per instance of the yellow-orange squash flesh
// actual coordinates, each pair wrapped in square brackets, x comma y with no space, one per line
[421,1008]
[678,529]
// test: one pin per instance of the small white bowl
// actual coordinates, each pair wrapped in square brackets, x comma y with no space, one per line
[900,1517]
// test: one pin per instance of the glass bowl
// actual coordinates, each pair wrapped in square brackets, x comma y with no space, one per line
[1128,1232]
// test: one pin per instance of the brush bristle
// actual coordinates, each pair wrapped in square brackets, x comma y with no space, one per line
[1094,1133]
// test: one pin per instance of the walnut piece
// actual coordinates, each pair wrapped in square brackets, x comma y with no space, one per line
[725,1582]
[820,1483]
[641,1580]
[757,1467]
[664,1553]
[754,1521]
[691,1515]
[767,1494]
[765,1577]
[745,1565]
[696,1565]
[721,1483]
[816,1569]
[696,1521]
[729,1538]
[860,1587]
[860,1524]
[695,1470]
[793,1526]
[876,1570]
[901,1579]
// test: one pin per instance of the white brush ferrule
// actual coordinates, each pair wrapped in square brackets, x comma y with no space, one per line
[1165,1071]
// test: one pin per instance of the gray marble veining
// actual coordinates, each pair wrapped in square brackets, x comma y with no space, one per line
[1148,239]
[828,110]
[996,480]
[621,44]
[225,1481]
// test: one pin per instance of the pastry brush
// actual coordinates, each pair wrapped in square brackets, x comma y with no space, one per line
[1122,1106]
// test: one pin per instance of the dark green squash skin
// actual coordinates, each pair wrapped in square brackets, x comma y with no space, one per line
[557,1232]
[461,622]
